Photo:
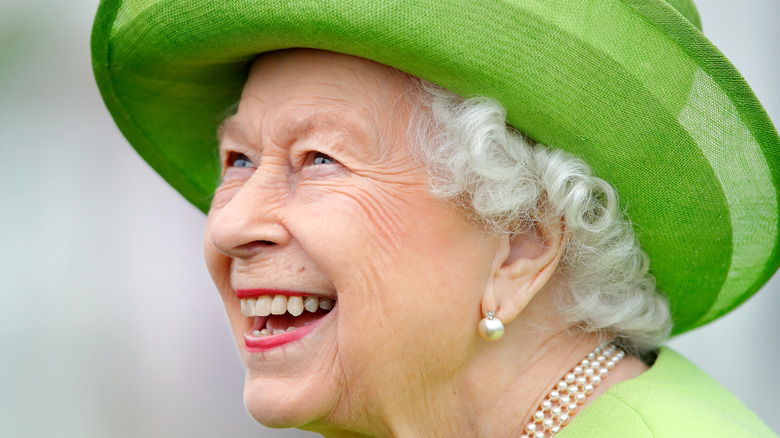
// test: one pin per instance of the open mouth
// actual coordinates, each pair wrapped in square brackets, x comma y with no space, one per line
[279,319]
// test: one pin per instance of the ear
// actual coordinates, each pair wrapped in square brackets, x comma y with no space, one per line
[523,265]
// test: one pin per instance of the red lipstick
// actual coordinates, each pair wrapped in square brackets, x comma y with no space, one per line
[258,344]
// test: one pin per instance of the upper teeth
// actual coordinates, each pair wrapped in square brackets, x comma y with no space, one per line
[279,304]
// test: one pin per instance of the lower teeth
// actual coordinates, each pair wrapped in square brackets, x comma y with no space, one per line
[266,332]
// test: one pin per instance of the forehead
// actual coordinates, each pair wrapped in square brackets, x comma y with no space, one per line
[236,127]
[297,92]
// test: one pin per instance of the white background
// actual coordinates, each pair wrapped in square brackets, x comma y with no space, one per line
[109,324]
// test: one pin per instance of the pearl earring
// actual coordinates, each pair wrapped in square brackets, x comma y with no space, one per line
[490,327]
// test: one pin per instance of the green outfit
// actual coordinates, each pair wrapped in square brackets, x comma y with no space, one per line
[674,398]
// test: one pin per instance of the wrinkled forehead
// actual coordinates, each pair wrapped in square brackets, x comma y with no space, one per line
[329,74]
[299,91]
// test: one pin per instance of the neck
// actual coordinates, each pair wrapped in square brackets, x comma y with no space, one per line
[518,385]
[495,393]
[499,393]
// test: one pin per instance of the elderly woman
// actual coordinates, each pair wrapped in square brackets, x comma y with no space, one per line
[397,260]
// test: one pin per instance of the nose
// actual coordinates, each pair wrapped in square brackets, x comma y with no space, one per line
[251,221]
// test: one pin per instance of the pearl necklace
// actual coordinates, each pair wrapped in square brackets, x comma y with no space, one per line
[570,393]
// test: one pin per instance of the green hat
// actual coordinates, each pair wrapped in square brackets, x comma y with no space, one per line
[631,86]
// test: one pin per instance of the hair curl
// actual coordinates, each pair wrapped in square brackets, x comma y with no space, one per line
[507,184]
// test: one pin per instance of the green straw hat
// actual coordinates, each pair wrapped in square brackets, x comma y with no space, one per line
[631,86]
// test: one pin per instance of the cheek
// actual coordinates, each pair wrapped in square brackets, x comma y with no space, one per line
[410,274]
[369,233]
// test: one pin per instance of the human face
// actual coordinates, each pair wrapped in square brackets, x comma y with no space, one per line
[321,197]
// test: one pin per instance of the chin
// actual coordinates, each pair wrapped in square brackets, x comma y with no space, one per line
[289,404]
[295,384]
[279,412]
[291,373]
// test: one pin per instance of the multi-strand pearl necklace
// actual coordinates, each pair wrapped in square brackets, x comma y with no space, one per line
[570,393]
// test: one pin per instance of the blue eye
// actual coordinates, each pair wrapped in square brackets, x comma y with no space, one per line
[240,160]
[320,158]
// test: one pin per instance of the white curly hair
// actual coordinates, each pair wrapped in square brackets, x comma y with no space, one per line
[508,184]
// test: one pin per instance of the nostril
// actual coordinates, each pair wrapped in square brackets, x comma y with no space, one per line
[257,245]
[246,235]
[249,249]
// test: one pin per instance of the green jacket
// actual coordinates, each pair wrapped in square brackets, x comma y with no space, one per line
[673,398]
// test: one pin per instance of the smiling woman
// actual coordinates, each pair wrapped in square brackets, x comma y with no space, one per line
[337,230]
[398,260]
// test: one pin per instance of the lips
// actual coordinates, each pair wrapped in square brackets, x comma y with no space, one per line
[280,317]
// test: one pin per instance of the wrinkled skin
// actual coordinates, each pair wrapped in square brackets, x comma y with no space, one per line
[321,195]
[362,228]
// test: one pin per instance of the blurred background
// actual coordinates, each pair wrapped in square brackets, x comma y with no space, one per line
[109,324]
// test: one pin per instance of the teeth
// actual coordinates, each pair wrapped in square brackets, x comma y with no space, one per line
[295,305]
[311,304]
[280,304]
[266,332]
[326,303]
[261,333]
[250,307]
[263,307]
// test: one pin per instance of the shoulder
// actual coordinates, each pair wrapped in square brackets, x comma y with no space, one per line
[674,398]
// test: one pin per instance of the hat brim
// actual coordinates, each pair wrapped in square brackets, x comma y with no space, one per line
[631,87]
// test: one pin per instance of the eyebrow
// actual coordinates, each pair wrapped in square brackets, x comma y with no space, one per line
[230,127]
[292,129]
[324,121]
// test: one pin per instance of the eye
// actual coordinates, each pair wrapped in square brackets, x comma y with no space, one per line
[239,160]
[316,158]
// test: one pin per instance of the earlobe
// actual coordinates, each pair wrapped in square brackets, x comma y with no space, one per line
[524,264]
